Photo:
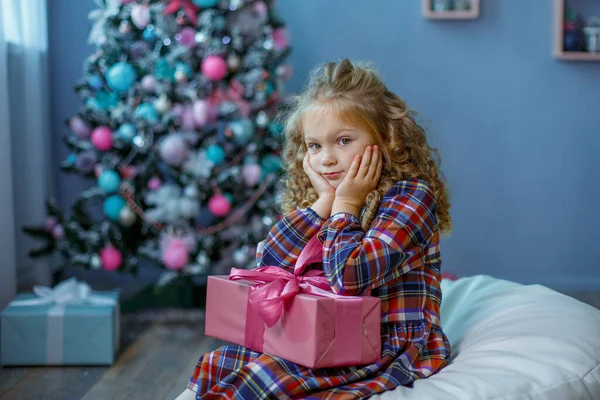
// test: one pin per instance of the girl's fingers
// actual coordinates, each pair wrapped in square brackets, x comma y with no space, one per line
[373,165]
[378,171]
[354,167]
[364,166]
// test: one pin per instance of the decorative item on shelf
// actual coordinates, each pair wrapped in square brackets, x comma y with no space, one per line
[450,9]
[441,5]
[462,5]
[592,34]
[573,36]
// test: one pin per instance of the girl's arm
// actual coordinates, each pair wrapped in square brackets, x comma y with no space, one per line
[287,238]
[405,223]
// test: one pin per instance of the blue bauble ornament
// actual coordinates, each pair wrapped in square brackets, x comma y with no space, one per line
[93,104]
[148,112]
[149,34]
[95,82]
[126,132]
[269,88]
[215,154]
[106,100]
[162,70]
[275,128]
[229,197]
[219,23]
[243,131]
[113,206]
[120,77]
[71,158]
[109,181]
[270,164]
[205,3]
[183,67]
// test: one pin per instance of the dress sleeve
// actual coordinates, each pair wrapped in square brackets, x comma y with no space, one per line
[287,238]
[396,242]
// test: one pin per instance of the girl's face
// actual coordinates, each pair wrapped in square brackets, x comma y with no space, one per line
[332,144]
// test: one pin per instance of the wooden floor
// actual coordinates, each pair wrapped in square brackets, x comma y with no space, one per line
[159,350]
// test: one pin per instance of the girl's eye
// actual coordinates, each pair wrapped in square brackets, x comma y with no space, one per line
[310,146]
[346,141]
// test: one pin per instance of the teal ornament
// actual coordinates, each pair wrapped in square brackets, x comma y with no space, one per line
[270,164]
[149,34]
[229,197]
[93,104]
[183,67]
[126,132]
[205,3]
[215,154]
[72,158]
[275,128]
[147,112]
[243,131]
[219,23]
[95,82]
[120,77]
[113,206]
[162,70]
[106,100]
[109,181]
[269,88]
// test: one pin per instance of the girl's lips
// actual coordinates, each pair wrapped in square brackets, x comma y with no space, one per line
[333,175]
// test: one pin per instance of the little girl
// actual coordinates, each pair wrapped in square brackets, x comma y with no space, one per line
[362,177]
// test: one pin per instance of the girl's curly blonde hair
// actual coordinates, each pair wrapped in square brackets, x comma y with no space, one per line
[360,99]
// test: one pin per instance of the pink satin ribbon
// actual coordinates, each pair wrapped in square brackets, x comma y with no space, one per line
[276,285]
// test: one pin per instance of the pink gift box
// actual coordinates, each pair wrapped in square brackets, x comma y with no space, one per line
[294,316]
[313,331]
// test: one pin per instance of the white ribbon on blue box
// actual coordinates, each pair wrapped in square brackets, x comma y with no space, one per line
[66,325]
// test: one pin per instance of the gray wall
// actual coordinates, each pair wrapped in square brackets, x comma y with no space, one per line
[517,129]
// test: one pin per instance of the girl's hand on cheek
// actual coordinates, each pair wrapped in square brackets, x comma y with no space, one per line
[362,179]
[321,185]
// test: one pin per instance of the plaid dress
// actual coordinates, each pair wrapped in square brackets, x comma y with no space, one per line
[398,258]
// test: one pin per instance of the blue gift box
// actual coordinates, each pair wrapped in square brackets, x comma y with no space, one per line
[35,331]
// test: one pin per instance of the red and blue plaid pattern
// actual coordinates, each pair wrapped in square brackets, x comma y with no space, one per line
[397,259]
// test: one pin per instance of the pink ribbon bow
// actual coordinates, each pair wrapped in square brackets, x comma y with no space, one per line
[276,285]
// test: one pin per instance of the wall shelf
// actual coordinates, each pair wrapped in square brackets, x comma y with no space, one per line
[428,12]
[558,40]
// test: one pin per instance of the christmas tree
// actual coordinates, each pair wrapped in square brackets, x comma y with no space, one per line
[177,131]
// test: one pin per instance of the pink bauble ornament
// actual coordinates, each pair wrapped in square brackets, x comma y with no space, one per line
[281,39]
[149,83]
[187,37]
[200,112]
[111,258]
[214,67]
[140,15]
[80,128]
[173,149]
[186,118]
[261,10]
[50,223]
[176,255]
[102,138]
[58,232]
[251,174]
[219,205]
[154,183]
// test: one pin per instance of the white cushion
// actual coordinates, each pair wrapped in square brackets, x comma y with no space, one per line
[513,342]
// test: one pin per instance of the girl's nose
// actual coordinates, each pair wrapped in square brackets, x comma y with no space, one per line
[327,159]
